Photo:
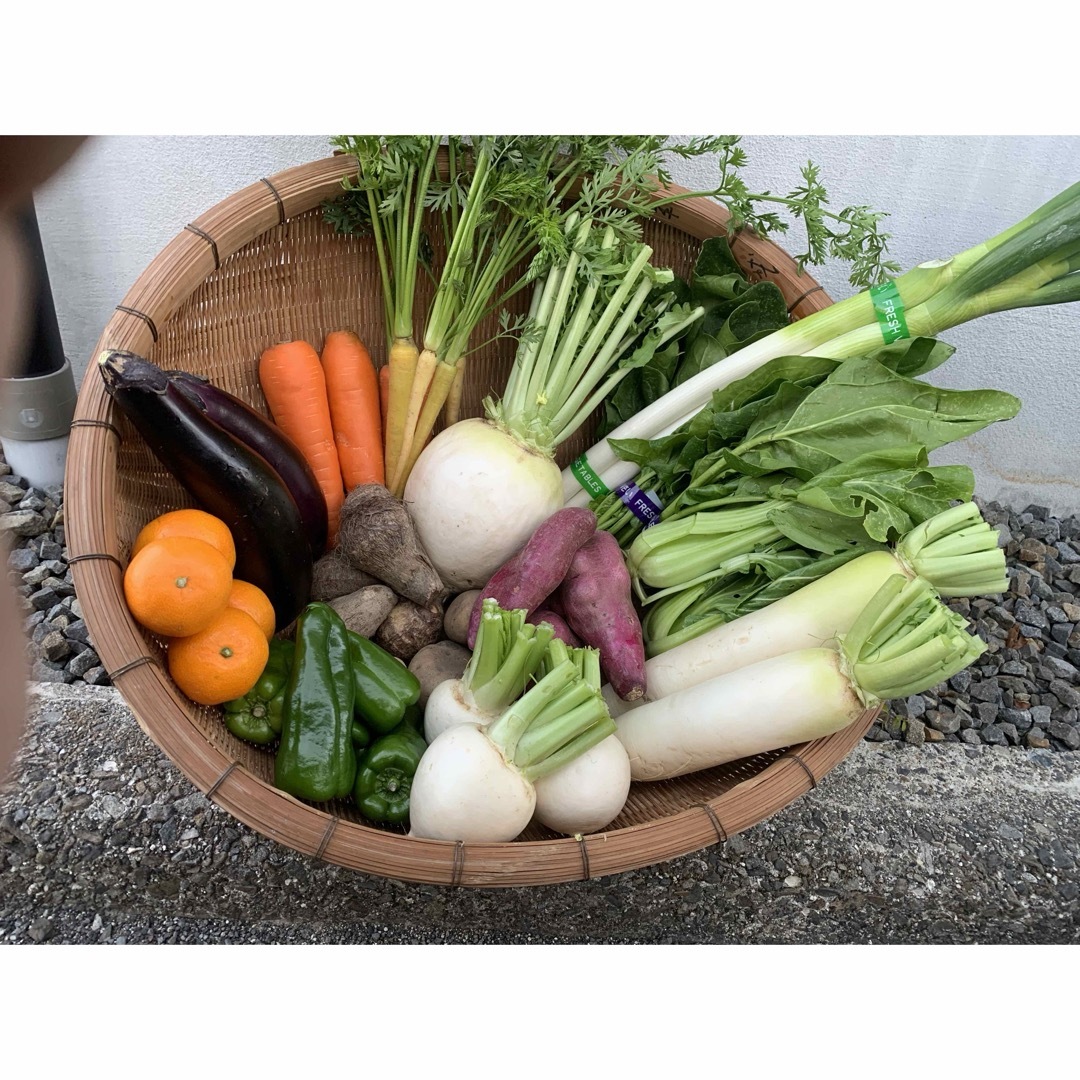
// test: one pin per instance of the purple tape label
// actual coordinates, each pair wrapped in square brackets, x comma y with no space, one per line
[644,505]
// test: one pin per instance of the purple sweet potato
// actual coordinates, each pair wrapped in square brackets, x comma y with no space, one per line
[599,607]
[557,623]
[534,573]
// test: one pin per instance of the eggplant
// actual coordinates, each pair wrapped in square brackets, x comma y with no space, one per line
[242,421]
[226,478]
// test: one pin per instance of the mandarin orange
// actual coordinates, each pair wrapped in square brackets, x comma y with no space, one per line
[221,662]
[196,524]
[252,600]
[177,585]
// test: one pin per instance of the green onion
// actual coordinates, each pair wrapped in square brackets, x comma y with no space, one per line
[1035,262]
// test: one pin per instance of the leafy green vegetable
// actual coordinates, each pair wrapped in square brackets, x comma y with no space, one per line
[736,313]
[802,465]
[860,407]
[680,468]
[855,507]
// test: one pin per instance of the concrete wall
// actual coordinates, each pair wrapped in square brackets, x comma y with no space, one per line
[123,198]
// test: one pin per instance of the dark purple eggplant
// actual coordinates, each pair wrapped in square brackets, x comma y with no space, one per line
[224,476]
[241,420]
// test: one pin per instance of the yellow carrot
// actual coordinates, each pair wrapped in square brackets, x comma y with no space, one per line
[422,376]
[452,412]
[384,394]
[403,357]
[436,399]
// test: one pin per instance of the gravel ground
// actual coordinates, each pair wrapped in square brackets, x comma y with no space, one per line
[1025,690]
[102,840]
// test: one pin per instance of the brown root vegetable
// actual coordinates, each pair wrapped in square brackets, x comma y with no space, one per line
[334,576]
[365,610]
[558,624]
[376,535]
[408,628]
[534,573]
[596,596]
[458,612]
[436,663]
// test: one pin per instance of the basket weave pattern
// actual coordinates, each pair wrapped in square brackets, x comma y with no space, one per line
[262,267]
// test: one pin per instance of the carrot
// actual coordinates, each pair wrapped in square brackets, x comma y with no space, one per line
[403,359]
[423,373]
[452,408]
[294,385]
[436,398]
[352,389]
[384,393]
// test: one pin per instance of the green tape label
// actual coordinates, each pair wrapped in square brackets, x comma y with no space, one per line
[890,311]
[592,483]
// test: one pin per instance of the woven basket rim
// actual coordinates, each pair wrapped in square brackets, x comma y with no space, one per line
[163,713]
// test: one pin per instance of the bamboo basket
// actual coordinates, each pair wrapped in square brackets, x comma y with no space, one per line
[261,267]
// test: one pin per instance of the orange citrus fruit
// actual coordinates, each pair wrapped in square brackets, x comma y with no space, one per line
[222,662]
[252,600]
[176,586]
[195,524]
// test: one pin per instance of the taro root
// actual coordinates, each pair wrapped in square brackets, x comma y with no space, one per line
[458,611]
[335,576]
[376,535]
[437,663]
[408,628]
[365,610]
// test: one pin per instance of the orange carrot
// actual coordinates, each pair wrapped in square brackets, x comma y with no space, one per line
[293,383]
[384,392]
[352,389]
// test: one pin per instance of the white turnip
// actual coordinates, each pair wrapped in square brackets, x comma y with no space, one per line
[589,793]
[475,495]
[481,487]
[475,783]
[508,652]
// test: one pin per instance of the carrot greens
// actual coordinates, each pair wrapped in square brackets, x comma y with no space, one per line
[512,208]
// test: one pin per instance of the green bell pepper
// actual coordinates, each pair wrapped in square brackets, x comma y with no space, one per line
[317,757]
[383,687]
[256,717]
[361,737]
[384,778]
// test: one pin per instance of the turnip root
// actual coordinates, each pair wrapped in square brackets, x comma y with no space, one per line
[442,662]
[408,628]
[377,536]
[458,612]
[596,597]
[508,653]
[475,783]
[904,641]
[464,789]
[365,610]
[588,794]
[476,494]
[535,572]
